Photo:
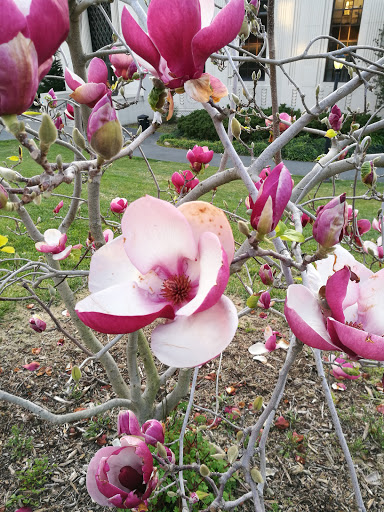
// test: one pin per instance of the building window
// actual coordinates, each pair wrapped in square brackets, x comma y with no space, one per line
[345,25]
[101,32]
[253,45]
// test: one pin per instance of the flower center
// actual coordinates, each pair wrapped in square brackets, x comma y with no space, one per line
[176,289]
[132,480]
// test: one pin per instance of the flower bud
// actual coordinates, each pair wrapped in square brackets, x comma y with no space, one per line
[118,205]
[243,228]
[9,174]
[335,118]
[3,197]
[204,470]
[235,99]
[331,219]
[236,128]
[58,207]
[153,432]
[78,138]
[232,453]
[256,476]
[47,133]
[265,300]
[161,450]
[368,174]
[127,423]
[266,275]
[76,374]
[104,130]
[37,324]
[257,403]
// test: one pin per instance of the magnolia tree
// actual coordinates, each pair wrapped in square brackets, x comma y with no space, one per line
[170,258]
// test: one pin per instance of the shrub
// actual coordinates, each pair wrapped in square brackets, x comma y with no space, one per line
[304,149]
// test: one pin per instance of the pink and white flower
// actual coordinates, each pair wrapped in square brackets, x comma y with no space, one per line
[54,243]
[37,324]
[184,181]
[123,65]
[169,263]
[180,39]
[152,430]
[122,476]
[70,112]
[118,205]
[58,207]
[283,117]
[199,156]
[89,93]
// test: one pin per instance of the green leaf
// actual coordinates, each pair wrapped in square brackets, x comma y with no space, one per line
[280,228]
[294,236]
[201,495]
[32,113]
[76,373]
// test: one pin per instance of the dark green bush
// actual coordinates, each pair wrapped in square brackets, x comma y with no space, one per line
[304,149]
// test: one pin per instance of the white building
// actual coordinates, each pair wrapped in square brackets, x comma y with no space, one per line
[297,23]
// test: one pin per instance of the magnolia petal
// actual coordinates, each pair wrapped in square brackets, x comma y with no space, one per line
[219,90]
[44,68]
[223,29]
[193,340]
[202,216]
[91,475]
[98,71]
[53,236]
[63,254]
[182,22]
[258,349]
[371,302]
[89,94]
[305,318]
[156,235]
[110,266]
[138,40]
[73,81]
[214,275]
[336,291]
[199,89]
[121,309]
[358,342]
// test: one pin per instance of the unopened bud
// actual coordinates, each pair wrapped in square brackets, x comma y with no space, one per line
[236,99]
[317,92]
[218,456]
[76,374]
[368,174]
[253,76]
[259,74]
[239,436]
[243,228]
[161,450]
[78,138]
[236,128]
[350,71]
[232,453]
[257,403]
[122,91]
[245,29]
[204,470]
[37,199]
[139,130]
[9,174]
[52,290]
[59,161]
[47,133]
[256,476]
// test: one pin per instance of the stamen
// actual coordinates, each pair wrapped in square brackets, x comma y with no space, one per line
[176,289]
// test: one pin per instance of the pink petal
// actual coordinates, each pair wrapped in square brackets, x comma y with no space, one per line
[358,342]
[183,21]
[63,254]
[156,234]
[214,275]
[93,466]
[336,291]
[121,309]
[138,40]
[73,81]
[305,318]
[89,94]
[193,340]
[203,217]
[97,71]
[220,32]
[371,302]
[32,366]
[219,90]
[199,89]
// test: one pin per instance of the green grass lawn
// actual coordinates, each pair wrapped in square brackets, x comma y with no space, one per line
[131,179]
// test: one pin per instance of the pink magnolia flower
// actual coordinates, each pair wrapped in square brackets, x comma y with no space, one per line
[184,181]
[331,220]
[271,200]
[169,263]
[151,431]
[266,275]
[374,249]
[118,205]
[104,130]
[54,243]
[70,112]
[376,224]
[52,99]
[89,93]
[26,48]
[180,39]
[37,324]
[265,301]
[108,236]
[123,65]
[262,177]
[270,344]
[58,207]
[283,117]
[122,476]
[59,123]
[305,219]
[335,118]
[344,313]
[198,157]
